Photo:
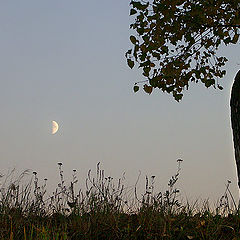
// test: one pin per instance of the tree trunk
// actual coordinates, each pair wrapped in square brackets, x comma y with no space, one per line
[235,120]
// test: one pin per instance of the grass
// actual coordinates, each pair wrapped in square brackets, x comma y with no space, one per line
[107,209]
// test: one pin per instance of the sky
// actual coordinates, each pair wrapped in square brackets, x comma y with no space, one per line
[64,61]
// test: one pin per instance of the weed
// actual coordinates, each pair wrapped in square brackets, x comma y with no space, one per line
[104,210]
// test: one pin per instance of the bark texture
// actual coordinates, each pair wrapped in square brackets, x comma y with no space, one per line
[235,120]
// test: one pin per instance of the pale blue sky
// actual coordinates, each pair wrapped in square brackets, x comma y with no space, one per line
[64,61]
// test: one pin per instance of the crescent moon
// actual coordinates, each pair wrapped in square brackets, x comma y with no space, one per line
[54,127]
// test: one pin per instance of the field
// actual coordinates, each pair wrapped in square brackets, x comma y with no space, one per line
[107,209]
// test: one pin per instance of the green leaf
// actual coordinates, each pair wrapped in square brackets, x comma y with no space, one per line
[128,52]
[235,38]
[153,82]
[140,30]
[169,89]
[146,71]
[147,89]
[197,74]
[227,40]
[177,96]
[136,4]
[164,49]
[135,88]
[130,63]
[132,11]
[209,83]
[139,6]
[133,39]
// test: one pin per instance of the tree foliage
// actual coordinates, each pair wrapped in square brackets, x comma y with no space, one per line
[176,42]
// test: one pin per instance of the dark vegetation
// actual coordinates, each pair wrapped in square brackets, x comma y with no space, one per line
[175,43]
[107,209]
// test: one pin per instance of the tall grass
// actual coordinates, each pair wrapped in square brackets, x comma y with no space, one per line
[107,209]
